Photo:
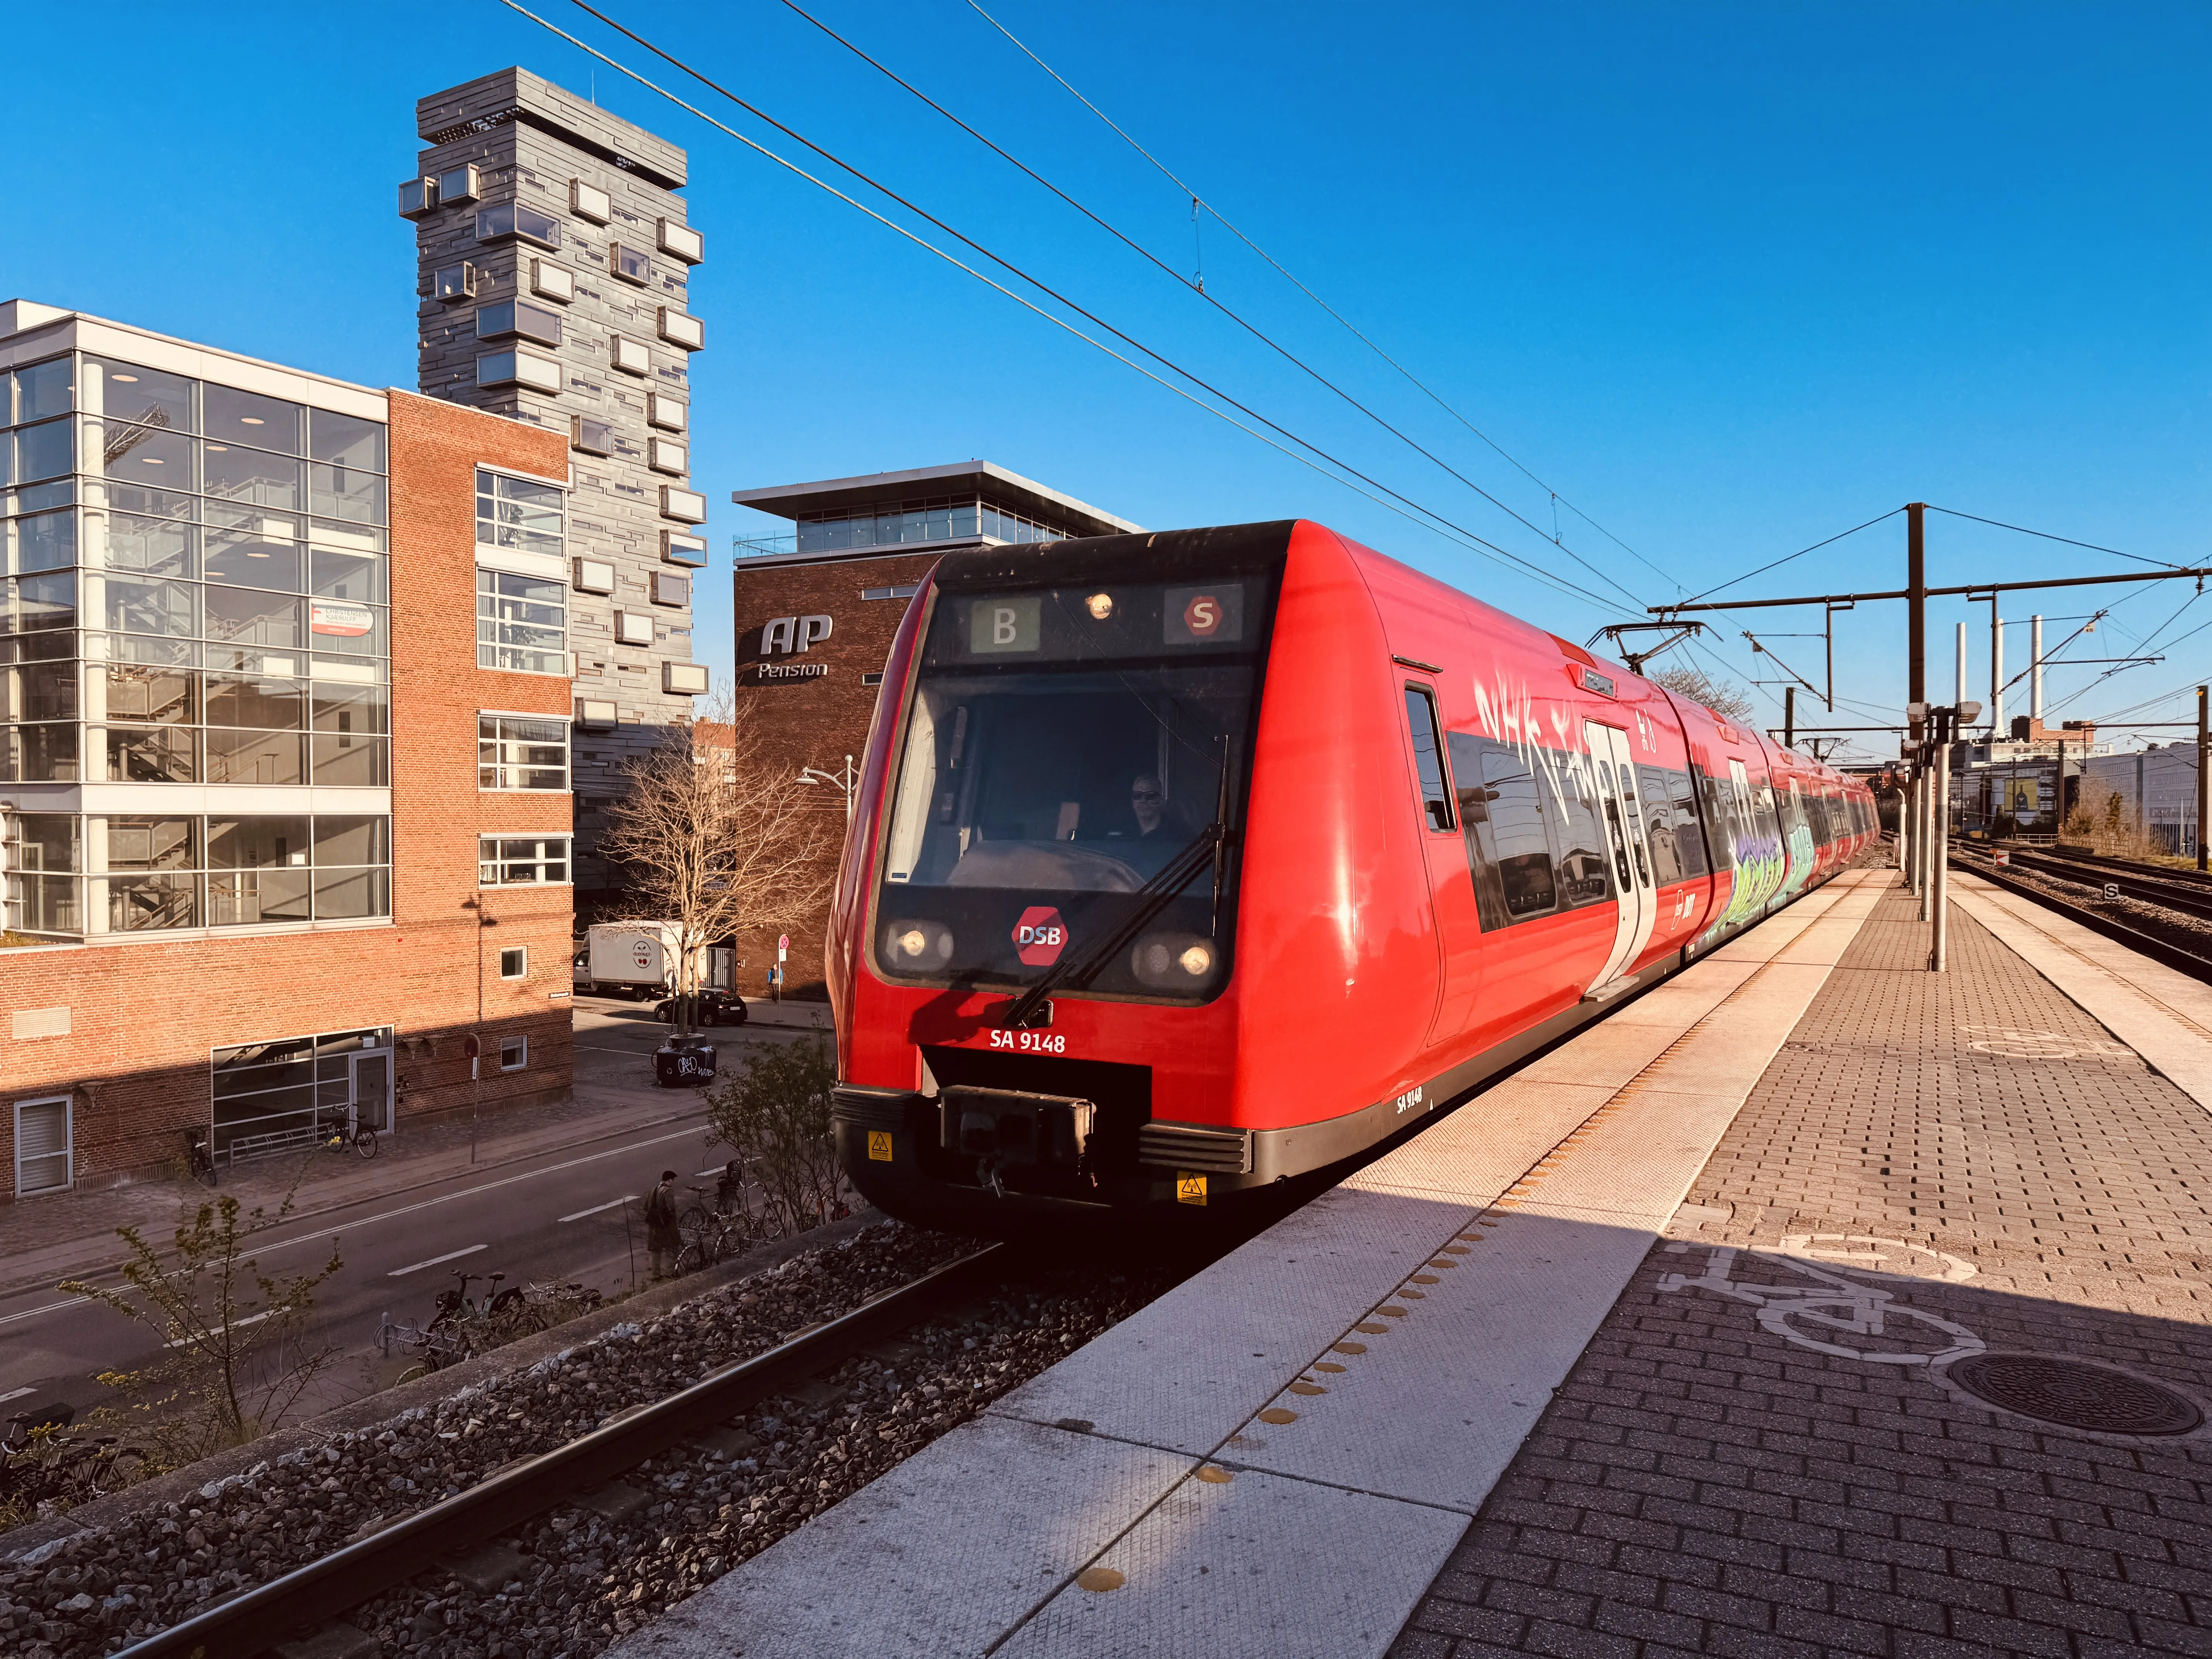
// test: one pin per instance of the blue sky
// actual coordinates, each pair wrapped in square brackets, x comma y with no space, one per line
[1730,278]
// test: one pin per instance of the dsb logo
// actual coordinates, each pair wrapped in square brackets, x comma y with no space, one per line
[1040,936]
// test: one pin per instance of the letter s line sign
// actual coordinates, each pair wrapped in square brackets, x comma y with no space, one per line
[1202,615]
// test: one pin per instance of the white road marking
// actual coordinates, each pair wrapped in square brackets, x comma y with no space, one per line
[488,1186]
[29,1313]
[15,1393]
[450,1256]
[596,1208]
[250,1319]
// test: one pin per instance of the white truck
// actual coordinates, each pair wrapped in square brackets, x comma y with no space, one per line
[634,959]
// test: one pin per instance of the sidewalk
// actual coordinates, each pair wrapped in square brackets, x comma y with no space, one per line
[1869,1396]
[72,1234]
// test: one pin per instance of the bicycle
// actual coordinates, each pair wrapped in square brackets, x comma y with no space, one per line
[339,1133]
[436,1349]
[733,1222]
[40,1464]
[199,1159]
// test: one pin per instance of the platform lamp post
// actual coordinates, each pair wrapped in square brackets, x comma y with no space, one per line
[1942,726]
[846,780]
[2203,754]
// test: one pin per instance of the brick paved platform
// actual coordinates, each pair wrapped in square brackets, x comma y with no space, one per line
[1722,1475]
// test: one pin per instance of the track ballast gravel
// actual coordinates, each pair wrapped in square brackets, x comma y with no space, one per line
[581,1579]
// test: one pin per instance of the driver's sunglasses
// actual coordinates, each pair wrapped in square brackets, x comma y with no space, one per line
[1145,794]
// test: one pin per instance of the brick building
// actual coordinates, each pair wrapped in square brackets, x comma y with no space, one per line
[553,277]
[814,613]
[277,839]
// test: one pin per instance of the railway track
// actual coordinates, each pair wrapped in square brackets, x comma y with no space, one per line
[2182,891]
[324,1590]
[2182,947]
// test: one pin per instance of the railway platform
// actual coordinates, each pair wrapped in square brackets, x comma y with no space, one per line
[1811,1303]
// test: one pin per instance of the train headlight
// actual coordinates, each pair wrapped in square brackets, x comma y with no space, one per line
[1100,606]
[1175,961]
[917,946]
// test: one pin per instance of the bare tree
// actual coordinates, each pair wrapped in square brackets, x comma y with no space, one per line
[1724,697]
[241,1349]
[717,840]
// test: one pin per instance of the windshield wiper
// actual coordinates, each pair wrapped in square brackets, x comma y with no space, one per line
[1210,848]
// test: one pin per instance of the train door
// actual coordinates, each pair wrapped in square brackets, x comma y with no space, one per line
[1637,900]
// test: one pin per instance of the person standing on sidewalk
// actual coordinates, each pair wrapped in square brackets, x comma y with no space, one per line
[661,1238]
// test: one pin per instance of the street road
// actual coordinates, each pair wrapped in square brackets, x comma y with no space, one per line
[569,1214]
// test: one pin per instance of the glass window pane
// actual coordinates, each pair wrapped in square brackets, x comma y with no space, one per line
[136,902]
[135,606]
[357,763]
[248,618]
[349,840]
[256,843]
[147,396]
[345,894]
[162,546]
[42,841]
[253,757]
[45,451]
[148,456]
[45,542]
[152,843]
[232,416]
[152,754]
[347,576]
[346,493]
[167,697]
[47,388]
[251,477]
[346,441]
[246,559]
[276,705]
[245,898]
[1428,763]
[352,708]
[38,754]
[34,604]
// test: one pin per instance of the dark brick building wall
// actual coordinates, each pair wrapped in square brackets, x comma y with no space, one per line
[807,719]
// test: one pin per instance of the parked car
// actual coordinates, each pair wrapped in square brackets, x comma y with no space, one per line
[714,1008]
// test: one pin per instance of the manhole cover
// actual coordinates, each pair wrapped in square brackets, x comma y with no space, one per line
[2074,1394]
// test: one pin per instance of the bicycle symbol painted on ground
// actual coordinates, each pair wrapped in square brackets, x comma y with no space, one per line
[1840,1303]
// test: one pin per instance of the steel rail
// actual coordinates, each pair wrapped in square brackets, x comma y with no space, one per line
[2187,898]
[258,1618]
[2149,945]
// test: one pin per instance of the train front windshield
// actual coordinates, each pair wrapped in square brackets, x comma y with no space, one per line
[1067,756]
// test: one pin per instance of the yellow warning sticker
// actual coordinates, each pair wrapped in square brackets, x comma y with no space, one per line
[879,1146]
[1189,1189]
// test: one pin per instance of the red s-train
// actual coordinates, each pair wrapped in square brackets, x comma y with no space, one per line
[1186,863]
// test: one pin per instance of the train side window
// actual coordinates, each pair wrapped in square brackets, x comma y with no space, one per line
[1509,848]
[1585,874]
[1721,814]
[1428,759]
[1689,829]
[1474,801]
[1661,825]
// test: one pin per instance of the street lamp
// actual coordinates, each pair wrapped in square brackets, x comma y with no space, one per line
[845,782]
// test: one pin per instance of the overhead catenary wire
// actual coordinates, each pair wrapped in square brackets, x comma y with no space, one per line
[1197,201]
[1194,283]
[1418,513]
[2044,535]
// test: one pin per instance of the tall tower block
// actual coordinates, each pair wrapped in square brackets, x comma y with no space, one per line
[553,271]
